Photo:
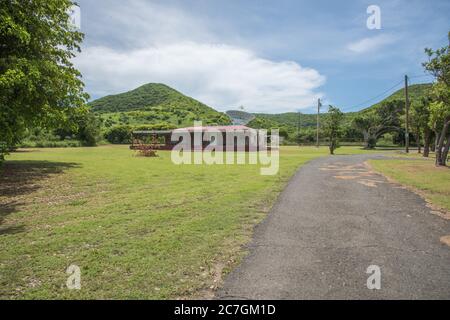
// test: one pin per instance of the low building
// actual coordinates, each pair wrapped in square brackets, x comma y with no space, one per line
[236,137]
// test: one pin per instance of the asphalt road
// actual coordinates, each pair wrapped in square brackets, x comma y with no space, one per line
[334,220]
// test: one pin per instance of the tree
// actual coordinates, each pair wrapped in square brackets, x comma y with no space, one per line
[440,118]
[38,82]
[375,122]
[332,127]
[420,114]
[83,125]
[438,65]
[283,132]
[119,134]
[367,123]
[88,129]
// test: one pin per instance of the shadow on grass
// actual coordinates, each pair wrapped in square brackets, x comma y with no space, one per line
[18,178]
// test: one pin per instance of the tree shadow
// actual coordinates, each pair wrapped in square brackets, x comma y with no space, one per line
[18,178]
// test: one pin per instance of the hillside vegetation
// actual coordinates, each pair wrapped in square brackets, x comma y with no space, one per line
[154,104]
[290,121]
[415,92]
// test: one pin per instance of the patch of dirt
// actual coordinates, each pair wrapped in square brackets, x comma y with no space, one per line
[346,177]
[440,212]
[370,183]
[358,172]
[445,240]
[434,209]
[214,278]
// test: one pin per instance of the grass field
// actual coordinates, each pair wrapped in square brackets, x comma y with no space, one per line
[137,227]
[420,174]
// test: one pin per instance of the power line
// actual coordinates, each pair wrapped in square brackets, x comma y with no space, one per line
[371,99]
[420,76]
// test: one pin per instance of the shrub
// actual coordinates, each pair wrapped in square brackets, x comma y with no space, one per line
[89,130]
[119,135]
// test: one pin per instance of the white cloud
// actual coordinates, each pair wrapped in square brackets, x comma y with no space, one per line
[370,44]
[140,23]
[141,42]
[219,75]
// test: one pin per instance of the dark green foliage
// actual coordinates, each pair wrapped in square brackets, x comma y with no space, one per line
[83,126]
[38,83]
[122,134]
[283,132]
[384,118]
[332,127]
[89,127]
[438,65]
[119,135]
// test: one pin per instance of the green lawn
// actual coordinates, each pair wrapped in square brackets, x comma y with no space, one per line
[137,227]
[421,174]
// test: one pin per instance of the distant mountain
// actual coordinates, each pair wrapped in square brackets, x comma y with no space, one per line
[155,103]
[239,117]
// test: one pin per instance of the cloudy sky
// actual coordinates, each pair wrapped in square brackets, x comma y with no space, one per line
[268,56]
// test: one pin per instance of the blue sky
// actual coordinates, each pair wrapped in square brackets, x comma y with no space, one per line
[269,56]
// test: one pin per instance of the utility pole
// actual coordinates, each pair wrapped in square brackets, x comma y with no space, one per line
[407,116]
[319,104]
[298,128]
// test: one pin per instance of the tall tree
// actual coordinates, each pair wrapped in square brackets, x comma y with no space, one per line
[439,66]
[332,127]
[375,122]
[420,114]
[39,86]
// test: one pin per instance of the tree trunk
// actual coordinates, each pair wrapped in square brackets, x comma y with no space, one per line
[419,145]
[427,140]
[440,161]
[445,152]
[366,139]
[332,145]
[436,141]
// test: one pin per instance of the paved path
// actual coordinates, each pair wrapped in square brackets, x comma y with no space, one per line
[333,220]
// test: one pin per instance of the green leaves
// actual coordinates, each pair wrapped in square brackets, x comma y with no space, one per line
[38,83]
[439,66]
[332,127]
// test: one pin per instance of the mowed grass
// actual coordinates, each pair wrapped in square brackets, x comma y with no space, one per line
[421,174]
[139,228]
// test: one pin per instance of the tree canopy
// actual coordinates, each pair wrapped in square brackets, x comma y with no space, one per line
[438,65]
[375,122]
[39,85]
[333,127]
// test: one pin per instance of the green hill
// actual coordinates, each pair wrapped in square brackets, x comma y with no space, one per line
[289,122]
[292,119]
[415,92]
[155,104]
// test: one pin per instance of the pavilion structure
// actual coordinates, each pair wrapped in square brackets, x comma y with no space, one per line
[162,139]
